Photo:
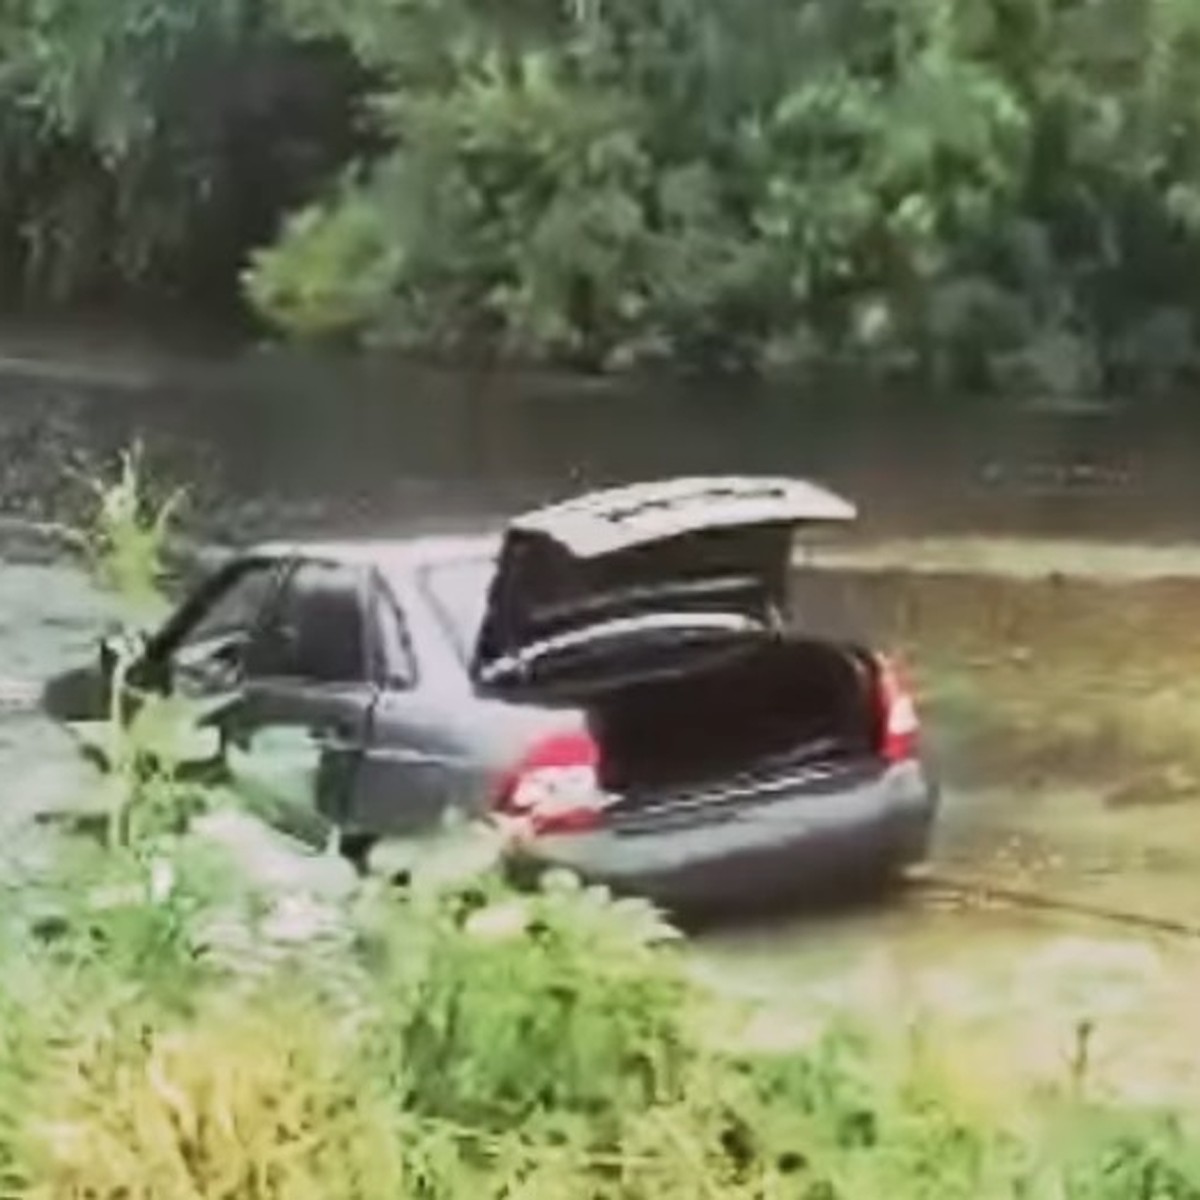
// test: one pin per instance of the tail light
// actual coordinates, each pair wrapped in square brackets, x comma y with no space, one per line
[899,725]
[555,788]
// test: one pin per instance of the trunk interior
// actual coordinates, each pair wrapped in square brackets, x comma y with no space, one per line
[781,705]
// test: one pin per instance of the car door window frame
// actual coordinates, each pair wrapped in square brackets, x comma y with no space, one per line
[163,646]
[398,664]
[369,675]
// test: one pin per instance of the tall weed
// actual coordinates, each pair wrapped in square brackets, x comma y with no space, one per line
[503,1009]
[148,738]
[128,535]
[257,1099]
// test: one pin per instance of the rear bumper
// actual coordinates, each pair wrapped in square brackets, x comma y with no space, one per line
[769,850]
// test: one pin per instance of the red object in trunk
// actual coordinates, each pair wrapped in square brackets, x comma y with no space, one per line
[555,788]
[899,725]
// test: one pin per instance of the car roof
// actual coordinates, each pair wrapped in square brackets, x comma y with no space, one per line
[388,554]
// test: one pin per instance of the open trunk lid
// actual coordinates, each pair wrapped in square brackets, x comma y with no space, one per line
[642,582]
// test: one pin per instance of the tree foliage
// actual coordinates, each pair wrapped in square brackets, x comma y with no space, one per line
[1005,186]
[146,144]
[1005,190]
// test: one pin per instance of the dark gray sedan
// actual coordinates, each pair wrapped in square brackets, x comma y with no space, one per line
[612,680]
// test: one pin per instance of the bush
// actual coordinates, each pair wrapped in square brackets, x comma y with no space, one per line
[554,1005]
[994,190]
[338,269]
[257,1097]
[492,1045]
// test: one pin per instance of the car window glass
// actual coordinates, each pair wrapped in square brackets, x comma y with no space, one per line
[235,609]
[459,591]
[316,630]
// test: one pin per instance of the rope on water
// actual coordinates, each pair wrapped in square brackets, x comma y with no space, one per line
[933,879]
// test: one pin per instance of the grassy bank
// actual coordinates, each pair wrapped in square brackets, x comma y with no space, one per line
[460,1040]
[178,1026]
[1045,679]
[1063,714]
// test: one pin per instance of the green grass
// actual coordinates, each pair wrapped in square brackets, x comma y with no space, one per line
[496,1046]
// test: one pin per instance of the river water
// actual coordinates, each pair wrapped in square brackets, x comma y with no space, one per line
[272,444]
[274,441]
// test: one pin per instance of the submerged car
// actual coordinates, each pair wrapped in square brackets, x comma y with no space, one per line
[615,680]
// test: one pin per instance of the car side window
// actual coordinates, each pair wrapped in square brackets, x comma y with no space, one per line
[235,609]
[316,631]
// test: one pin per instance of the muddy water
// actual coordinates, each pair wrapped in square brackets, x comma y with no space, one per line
[1018,993]
[274,447]
[272,441]
[49,619]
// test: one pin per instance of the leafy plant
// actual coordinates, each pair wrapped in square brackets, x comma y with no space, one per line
[128,535]
[338,270]
[148,739]
[150,144]
[500,1008]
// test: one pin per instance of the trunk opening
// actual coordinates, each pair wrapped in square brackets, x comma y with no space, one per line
[717,547]
[780,705]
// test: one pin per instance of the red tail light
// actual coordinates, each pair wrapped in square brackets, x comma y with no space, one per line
[555,788]
[899,725]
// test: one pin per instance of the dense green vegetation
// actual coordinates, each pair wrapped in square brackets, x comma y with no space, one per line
[469,1043]
[146,145]
[1000,190]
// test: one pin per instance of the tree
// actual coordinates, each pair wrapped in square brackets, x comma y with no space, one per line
[148,143]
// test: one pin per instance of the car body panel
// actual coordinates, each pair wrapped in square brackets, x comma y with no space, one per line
[762,850]
[337,720]
[437,745]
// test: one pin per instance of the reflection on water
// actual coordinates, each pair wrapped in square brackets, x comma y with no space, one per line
[278,442]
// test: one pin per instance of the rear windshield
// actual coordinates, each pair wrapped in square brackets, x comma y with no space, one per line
[458,590]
